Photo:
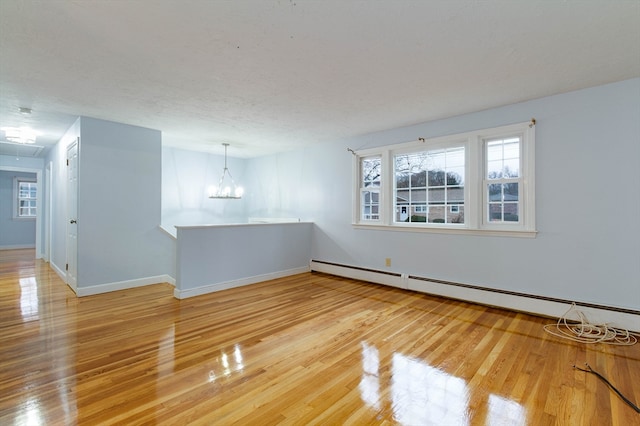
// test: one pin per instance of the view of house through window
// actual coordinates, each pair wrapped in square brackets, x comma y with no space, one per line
[429,186]
[480,181]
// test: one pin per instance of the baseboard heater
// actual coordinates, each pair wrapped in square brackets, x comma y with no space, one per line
[523,302]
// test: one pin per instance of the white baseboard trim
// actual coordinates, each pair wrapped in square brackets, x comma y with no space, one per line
[537,305]
[123,285]
[62,275]
[57,270]
[211,288]
[378,277]
[533,305]
[18,247]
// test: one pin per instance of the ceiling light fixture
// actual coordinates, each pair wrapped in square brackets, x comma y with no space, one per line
[223,191]
[20,134]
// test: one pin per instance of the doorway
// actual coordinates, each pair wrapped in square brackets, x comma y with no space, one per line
[38,218]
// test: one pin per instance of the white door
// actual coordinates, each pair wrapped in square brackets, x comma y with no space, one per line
[47,213]
[72,215]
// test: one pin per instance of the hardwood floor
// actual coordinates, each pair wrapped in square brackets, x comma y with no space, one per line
[307,349]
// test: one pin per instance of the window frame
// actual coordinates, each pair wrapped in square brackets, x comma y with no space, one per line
[359,212]
[475,207]
[16,198]
[423,147]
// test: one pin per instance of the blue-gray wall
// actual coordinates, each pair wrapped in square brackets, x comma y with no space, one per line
[186,176]
[36,166]
[14,233]
[587,202]
[119,187]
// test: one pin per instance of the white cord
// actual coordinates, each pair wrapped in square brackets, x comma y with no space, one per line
[581,331]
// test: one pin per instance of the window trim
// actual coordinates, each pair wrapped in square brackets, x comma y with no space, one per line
[475,203]
[16,201]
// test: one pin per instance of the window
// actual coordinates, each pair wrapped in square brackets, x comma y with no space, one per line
[480,181]
[427,183]
[502,179]
[370,173]
[25,198]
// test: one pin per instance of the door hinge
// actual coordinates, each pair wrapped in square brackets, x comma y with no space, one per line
[66,267]
[67,161]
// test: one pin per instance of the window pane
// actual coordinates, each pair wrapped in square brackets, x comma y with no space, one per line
[510,192]
[494,169]
[419,179]
[499,192]
[503,202]
[370,169]
[511,212]
[503,158]
[418,196]
[437,214]
[494,151]
[402,180]
[511,148]
[455,176]
[403,196]
[455,195]
[436,178]
[455,158]
[436,196]
[402,213]
[495,212]
[436,160]
[456,217]
[370,202]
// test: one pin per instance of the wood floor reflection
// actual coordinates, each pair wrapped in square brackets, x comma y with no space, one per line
[307,349]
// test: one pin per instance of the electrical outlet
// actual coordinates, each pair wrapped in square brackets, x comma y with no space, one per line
[387,261]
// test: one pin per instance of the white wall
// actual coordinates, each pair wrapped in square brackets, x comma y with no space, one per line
[587,202]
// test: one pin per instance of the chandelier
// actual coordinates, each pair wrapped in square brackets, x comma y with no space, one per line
[225,191]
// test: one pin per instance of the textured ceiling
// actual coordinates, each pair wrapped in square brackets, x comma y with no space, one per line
[268,76]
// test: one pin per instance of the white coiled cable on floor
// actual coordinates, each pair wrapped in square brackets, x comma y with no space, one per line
[580,330]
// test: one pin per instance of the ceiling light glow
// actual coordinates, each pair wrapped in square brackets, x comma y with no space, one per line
[20,134]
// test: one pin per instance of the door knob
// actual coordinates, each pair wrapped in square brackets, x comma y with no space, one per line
[73,221]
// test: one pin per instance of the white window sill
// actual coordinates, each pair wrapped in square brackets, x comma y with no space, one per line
[24,218]
[449,230]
